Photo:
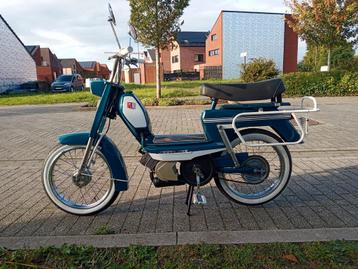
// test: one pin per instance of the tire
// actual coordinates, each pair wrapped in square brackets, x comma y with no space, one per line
[70,203]
[72,89]
[284,158]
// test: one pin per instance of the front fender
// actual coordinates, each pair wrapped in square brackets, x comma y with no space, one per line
[110,152]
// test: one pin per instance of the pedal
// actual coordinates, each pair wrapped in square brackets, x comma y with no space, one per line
[199,199]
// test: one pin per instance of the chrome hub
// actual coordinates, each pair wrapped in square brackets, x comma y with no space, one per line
[82,178]
[260,169]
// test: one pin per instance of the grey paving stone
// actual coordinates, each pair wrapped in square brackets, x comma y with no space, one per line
[322,193]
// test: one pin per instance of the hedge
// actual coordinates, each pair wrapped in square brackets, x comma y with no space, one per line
[321,84]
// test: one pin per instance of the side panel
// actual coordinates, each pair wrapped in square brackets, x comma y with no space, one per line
[133,112]
[109,150]
[279,123]
[135,116]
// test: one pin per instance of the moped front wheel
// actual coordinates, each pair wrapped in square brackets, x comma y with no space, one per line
[84,193]
[272,166]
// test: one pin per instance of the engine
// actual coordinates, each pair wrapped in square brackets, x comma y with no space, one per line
[167,173]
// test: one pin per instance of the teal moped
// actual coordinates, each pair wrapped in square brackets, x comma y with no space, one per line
[243,146]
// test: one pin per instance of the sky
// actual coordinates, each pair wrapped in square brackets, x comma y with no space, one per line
[79,29]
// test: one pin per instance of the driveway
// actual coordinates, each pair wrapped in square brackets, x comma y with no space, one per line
[322,193]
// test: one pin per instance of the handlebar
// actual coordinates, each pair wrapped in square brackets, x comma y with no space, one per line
[122,53]
[121,58]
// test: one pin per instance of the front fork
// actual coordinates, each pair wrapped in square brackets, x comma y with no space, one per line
[91,150]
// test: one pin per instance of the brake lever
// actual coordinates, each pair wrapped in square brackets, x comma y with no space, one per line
[131,61]
[134,62]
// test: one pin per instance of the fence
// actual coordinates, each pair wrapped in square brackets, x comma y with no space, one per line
[182,76]
[213,72]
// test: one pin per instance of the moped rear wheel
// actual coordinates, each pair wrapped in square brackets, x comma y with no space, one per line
[273,162]
[86,193]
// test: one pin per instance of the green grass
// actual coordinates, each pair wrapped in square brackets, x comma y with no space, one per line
[177,91]
[46,98]
[335,254]
[180,92]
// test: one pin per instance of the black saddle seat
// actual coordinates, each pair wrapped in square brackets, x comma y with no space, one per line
[266,89]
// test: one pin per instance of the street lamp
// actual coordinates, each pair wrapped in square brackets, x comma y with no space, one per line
[244,55]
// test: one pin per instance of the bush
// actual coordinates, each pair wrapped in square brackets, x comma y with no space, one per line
[321,84]
[259,69]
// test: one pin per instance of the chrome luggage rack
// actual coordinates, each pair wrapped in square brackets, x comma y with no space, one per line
[302,123]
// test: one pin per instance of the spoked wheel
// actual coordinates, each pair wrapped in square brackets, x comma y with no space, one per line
[85,193]
[269,170]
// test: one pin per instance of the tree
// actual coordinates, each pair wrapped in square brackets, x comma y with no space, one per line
[258,69]
[316,56]
[157,23]
[326,23]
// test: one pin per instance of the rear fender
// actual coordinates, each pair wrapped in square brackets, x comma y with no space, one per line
[110,152]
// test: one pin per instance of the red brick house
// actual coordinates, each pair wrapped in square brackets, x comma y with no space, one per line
[93,69]
[71,66]
[48,66]
[187,52]
[104,71]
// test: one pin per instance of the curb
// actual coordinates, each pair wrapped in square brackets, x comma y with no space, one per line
[184,238]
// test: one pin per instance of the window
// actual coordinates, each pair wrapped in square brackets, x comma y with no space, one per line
[214,37]
[175,59]
[199,58]
[214,52]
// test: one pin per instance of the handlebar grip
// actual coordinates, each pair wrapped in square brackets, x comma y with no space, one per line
[134,61]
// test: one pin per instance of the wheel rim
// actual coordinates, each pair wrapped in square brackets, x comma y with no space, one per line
[88,190]
[268,188]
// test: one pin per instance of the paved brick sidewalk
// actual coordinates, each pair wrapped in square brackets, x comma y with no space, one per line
[322,193]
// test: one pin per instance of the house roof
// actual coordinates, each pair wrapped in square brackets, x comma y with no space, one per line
[32,48]
[104,66]
[151,53]
[88,64]
[68,63]
[191,39]
[254,12]
[8,26]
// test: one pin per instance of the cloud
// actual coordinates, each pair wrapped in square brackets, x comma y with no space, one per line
[52,36]
[80,29]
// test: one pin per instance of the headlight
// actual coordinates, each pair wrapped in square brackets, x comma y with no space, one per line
[67,84]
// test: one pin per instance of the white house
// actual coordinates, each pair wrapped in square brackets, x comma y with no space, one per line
[16,64]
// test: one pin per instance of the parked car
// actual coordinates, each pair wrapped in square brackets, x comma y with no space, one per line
[68,83]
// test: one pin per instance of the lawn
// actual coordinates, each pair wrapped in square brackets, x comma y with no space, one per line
[182,92]
[335,254]
[172,93]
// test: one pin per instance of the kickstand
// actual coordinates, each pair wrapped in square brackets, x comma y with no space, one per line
[189,198]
